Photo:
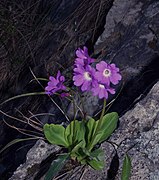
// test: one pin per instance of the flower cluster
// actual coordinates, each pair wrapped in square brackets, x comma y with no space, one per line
[97,80]
[55,84]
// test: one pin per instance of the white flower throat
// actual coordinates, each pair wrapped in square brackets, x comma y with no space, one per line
[87,76]
[107,73]
[101,86]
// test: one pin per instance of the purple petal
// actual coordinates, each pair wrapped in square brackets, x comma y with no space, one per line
[52,83]
[115,78]
[105,80]
[91,60]
[62,78]
[101,66]
[47,92]
[113,67]
[95,90]
[79,70]
[79,61]
[80,54]
[85,86]
[85,49]
[47,88]
[106,94]
[78,80]
[111,90]
[98,75]
[63,87]
[101,94]
[64,95]
[58,74]
[51,78]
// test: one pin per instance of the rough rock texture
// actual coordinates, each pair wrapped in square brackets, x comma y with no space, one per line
[139,132]
[130,39]
[131,32]
[39,152]
[46,34]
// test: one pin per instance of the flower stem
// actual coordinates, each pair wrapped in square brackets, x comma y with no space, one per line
[102,114]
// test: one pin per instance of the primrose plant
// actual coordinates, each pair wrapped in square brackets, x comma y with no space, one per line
[80,137]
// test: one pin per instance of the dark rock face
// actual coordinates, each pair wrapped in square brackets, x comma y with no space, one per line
[130,30]
[129,39]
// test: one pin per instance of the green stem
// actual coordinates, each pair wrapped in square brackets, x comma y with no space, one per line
[84,113]
[101,116]
[99,125]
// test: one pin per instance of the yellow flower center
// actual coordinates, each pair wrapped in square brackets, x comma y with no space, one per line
[106,72]
[87,76]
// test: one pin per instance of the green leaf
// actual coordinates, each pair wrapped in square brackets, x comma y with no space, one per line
[108,125]
[75,133]
[96,160]
[23,95]
[95,140]
[126,170]
[69,133]
[99,134]
[78,154]
[77,147]
[98,154]
[41,79]
[56,166]
[55,134]
[96,164]
[90,129]
[83,161]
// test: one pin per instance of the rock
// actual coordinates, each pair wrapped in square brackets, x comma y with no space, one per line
[39,152]
[138,134]
[130,40]
[52,34]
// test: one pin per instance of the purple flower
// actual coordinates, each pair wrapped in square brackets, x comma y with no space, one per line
[64,94]
[84,77]
[55,85]
[102,90]
[107,73]
[83,58]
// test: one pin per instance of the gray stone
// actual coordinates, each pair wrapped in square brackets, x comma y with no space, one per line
[139,132]
[130,38]
[39,152]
